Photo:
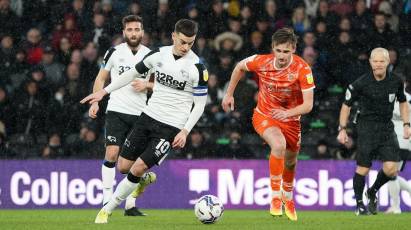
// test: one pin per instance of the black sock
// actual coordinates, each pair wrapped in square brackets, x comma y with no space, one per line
[379,182]
[358,183]
[132,178]
[109,164]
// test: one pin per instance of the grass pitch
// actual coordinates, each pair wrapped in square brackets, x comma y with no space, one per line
[185,219]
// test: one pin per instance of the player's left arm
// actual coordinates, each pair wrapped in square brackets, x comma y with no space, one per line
[306,81]
[200,92]
[306,106]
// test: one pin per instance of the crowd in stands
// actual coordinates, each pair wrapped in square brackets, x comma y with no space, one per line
[50,53]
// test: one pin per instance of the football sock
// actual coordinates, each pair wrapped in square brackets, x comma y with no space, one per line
[380,181]
[108,173]
[276,170]
[130,202]
[288,180]
[123,190]
[404,185]
[394,190]
[358,184]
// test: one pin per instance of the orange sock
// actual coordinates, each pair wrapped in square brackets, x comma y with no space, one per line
[288,180]
[276,171]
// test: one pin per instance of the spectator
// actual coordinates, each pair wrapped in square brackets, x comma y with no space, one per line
[322,151]
[300,21]
[52,68]
[217,18]
[68,30]
[7,55]
[361,17]
[64,51]
[381,35]
[99,33]
[54,148]
[33,46]
[10,22]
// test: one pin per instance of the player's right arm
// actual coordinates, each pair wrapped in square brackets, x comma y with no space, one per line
[99,83]
[124,79]
[351,95]
[238,72]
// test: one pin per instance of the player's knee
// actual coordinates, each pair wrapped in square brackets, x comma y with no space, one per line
[122,169]
[112,153]
[278,148]
[139,167]
[363,171]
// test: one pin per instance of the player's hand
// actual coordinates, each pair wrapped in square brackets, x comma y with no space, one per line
[228,103]
[139,85]
[92,112]
[180,139]
[407,132]
[342,137]
[280,114]
[94,97]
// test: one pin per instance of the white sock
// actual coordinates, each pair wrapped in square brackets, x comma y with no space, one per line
[130,202]
[107,177]
[288,195]
[275,193]
[394,190]
[404,185]
[123,190]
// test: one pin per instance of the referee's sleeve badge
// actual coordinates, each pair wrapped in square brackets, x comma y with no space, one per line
[347,95]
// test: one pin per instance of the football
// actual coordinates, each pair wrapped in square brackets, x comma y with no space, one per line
[208,209]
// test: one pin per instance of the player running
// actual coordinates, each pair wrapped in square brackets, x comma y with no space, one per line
[125,105]
[181,80]
[286,90]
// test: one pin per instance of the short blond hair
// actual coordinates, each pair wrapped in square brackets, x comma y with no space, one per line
[381,50]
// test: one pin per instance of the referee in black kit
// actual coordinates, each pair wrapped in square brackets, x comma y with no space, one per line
[376,93]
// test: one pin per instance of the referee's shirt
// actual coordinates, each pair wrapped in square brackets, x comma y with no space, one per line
[376,98]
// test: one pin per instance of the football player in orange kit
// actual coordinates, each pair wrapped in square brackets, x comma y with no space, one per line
[286,91]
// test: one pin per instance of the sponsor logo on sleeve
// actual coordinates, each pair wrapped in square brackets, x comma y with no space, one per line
[310,79]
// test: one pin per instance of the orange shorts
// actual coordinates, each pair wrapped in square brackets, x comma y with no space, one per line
[290,129]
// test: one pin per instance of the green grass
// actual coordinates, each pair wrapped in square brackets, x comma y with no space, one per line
[184,219]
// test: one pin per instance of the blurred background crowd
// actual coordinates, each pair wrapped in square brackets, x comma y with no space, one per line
[51,50]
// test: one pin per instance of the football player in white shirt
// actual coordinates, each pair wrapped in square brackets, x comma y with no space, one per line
[399,183]
[125,105]
[180,81]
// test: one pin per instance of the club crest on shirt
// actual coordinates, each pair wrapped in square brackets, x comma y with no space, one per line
[291,76]
[391,97]
[184,74]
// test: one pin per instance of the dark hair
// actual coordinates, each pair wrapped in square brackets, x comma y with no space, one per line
[131,18]
[284,35]
[187,27]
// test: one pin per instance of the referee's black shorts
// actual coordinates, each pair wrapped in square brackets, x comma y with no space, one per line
[117,127]
[376,141]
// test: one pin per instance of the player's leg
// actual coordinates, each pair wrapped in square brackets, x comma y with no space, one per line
[114,138]
[288,184]
[394,191]
[292,134]
[275,139]
[271,133]
[134,145]
[388,172]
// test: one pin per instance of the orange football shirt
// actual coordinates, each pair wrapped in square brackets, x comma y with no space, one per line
[280,88]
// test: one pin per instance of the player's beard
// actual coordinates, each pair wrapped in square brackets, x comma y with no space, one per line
[133,43]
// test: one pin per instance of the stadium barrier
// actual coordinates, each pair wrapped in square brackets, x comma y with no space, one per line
[240,184]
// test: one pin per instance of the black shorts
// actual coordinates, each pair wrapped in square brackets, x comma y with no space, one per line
[376,141]
[150,140]
[117,127]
